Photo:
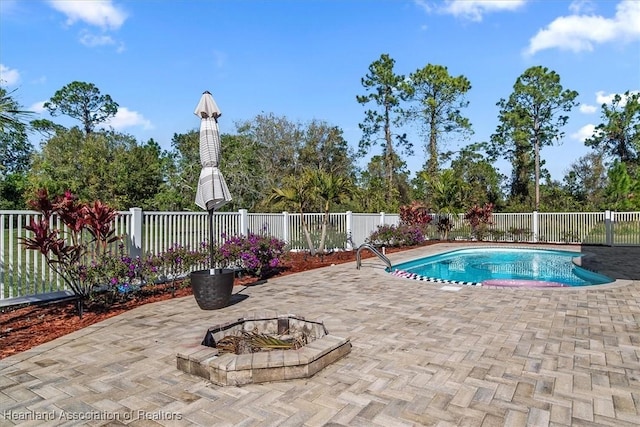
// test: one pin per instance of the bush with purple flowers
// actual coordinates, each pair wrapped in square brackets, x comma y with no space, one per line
[122,274]
[256,254]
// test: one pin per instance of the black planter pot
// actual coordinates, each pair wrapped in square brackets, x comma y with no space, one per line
[212,291]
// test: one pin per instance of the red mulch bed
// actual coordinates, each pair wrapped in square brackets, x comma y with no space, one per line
[24,327]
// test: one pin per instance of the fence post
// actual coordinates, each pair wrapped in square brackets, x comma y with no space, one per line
[534,226]
[381,218]
[244,222]
[135,233]
[285,226]
[608,228]
[348,222]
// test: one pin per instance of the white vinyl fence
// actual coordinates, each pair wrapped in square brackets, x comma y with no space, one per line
[24,272]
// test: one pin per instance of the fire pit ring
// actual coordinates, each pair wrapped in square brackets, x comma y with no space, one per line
[319,350]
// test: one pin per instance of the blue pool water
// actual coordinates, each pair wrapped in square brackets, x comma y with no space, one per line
[500,266]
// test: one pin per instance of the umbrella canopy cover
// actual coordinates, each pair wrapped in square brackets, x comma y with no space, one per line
[212,192]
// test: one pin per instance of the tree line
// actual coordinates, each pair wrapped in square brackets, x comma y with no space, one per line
[272,163]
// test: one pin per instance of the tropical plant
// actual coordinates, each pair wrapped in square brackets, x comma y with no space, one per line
[480,218]
[297,194]
[15,151]
[87,231]
[415,213]
[329,188]
[444,226]
[12,116]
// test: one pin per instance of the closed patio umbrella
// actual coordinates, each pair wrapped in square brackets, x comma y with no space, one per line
[212,192]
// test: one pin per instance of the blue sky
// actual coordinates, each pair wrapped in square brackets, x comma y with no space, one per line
[304,59]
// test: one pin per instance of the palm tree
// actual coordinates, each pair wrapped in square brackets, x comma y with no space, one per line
[297,194]
[12,118]
[301,193]
[330,188]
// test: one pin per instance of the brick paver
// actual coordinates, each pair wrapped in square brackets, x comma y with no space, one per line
[421,356]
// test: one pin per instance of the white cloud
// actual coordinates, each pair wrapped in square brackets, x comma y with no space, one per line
[585,132]
[100,13]
[581,6]
[37,107]
[607,98]
[588,109]
[603,98]
[126,118]
[92,40]
[424,5]
[8,76]
[475,9]
[580,32]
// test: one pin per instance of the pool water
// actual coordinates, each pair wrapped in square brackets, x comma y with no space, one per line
[503,267]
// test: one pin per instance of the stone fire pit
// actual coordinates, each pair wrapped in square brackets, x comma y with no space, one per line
[315,349]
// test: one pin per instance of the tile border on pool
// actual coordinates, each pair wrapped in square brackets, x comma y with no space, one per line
[413,276]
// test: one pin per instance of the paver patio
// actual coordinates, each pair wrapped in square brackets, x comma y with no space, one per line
[421,355]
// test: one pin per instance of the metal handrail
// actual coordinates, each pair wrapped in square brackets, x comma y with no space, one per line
[375,251]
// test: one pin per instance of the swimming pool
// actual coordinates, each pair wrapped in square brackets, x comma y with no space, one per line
[511,267]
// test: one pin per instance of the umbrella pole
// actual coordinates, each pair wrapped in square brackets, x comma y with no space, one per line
[211,264]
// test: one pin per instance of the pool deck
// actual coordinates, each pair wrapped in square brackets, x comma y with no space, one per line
[423,354]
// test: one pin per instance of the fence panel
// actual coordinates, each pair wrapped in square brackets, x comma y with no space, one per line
[626,228]
[516,227]
[363,224]
[22,271]
[574,227]
[161,230]
[336,233]
[267,224]
[25,272]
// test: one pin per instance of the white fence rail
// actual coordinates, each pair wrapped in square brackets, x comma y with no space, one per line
[24,272]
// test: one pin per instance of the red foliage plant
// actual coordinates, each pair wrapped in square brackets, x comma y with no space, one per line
[477,215]
[415,213]
[66,251]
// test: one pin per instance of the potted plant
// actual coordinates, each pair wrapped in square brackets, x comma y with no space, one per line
[212,287]
[253,254]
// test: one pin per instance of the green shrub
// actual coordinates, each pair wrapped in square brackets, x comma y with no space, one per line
[401,235]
